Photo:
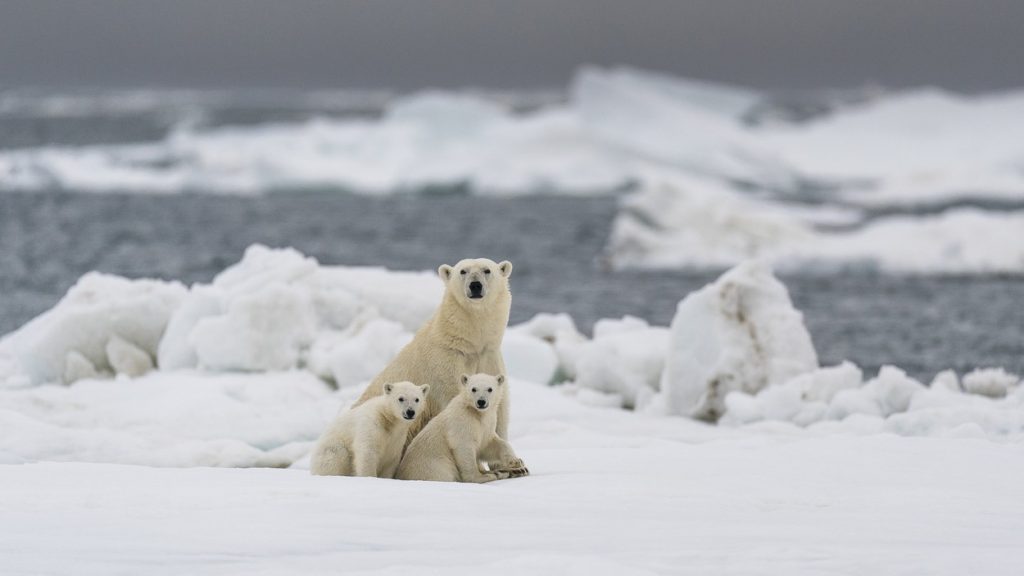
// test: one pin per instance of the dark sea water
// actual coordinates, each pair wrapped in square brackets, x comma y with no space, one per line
[47,240]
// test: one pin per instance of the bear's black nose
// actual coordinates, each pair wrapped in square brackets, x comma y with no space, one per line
[410,414]
[481,403]
[475,289]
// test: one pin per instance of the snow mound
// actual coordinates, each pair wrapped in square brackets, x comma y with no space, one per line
[560,333]
[277,309]
[105,324]
[625,359]
[740,333]
[991,382]
[673,222]
[180,418]
[836,399]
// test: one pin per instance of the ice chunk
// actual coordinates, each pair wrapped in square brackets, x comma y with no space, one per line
[560,331]
[529,358]
[802,400]
[739,333]
[626,358]
[672,220]
[991,382]
[263,330]
[176,348]
[690,125]
[126,358]
[359,353]
[275,307]
[946,380]
[856,401]
[78,367]
[94,310]
[824,383]
[894,389]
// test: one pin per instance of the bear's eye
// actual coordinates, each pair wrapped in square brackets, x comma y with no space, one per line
[487,270]
[463,272]
[417,400]
[490,389]
[401,399]
[473,390]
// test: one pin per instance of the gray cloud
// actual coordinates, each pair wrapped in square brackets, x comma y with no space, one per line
[522,43]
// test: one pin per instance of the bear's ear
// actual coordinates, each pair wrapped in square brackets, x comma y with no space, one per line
[506,268]
[501,379]
[388,388]
[425,388]
[465,379]
[444,271]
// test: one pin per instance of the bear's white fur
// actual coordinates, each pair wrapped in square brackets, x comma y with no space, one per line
[367,440]
[463,336]
[455,445]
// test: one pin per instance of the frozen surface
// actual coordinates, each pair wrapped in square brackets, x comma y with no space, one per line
[610,493]
[180,418]
[740,333]
[75,337]
[818,471]
[684,222]
[938,173]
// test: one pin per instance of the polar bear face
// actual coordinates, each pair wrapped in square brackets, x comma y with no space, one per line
[406,399]
[479,388]
[476,281]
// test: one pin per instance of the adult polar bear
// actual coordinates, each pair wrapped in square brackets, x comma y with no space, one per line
[462,337]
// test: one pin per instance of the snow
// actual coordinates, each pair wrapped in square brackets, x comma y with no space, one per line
[625,359]
[275,307]
[610,492]
[180,418]
[992,382]
[835,399]
[739,333]
[98,310]
[810,469]
[685,222]
[712,187]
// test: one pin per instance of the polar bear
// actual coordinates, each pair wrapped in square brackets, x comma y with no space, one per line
[367,440]
[463,336]
[454,445]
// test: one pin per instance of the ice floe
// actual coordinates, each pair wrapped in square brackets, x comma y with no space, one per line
[937,172]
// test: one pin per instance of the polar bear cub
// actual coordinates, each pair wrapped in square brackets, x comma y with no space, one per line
[454,445]
[367,440]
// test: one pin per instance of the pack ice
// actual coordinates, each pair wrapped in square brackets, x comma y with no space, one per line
[246,370]
[920,181]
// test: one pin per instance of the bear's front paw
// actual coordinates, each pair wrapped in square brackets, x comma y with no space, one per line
[518,472]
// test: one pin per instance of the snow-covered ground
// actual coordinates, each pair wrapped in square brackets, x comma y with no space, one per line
[124,409]
[710,185]
[610,492]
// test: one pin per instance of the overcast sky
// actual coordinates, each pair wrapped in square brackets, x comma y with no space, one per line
[407,44]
